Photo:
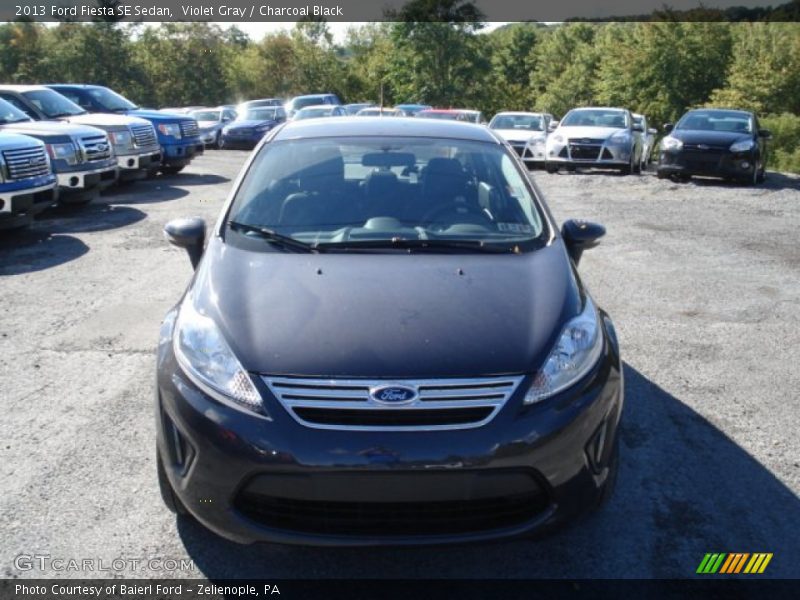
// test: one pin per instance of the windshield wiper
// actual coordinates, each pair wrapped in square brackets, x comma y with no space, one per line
[274,237]
[64,114]
[420,244]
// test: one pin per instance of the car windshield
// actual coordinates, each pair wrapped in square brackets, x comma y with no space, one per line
[523,122]
[448,116]
[259,114]
[11,114]
[595,117]
[388,192]
[111,100]
[299,103]
[206,115]
[310,113]
[53,104]
[716,120]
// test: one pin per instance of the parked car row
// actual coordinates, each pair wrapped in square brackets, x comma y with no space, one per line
[67,143]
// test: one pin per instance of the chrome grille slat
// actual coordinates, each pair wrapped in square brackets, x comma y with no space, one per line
[144,135]
[91,148]
[18,163]
[347,395]
[189,128]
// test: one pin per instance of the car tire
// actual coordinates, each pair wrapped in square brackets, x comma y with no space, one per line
[218,143]
[551,168]
[628,169]
[171,501]
[171,170]
[762,175]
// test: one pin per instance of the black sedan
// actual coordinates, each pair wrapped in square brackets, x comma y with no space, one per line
[386,342]
[716,143]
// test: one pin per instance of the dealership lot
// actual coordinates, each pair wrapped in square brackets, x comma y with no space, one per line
[703,282]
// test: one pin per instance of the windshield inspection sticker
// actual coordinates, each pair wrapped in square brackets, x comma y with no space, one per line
[515,227]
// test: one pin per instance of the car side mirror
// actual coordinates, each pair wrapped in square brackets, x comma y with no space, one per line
[553,126]
[765,133]
[652,131]
[638,128]
[581,235]
[668,127]
[188,233]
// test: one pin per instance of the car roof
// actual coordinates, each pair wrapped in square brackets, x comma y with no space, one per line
[23,88]
[318,106]
[381,127]
[599,108]
[727,110]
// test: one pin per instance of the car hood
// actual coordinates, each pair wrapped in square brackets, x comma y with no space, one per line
[52,128]
[593,133]
[712,138]
[516,135]
[387,315]
[207,124]
[159,117]
[105,120]
[249,123]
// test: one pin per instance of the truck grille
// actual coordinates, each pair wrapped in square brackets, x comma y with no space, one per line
[95,148]
[144,135]
[435,403]
[189,128]
[24,163]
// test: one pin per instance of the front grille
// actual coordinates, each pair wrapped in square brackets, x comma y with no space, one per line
[436,403]
[189,128]
[144,135]
[585,149]
[392,518]
[24,163]
[95,148]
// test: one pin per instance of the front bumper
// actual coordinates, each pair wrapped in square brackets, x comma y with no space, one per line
[87,180]
[710,163]
[19,204]
[180,155]
[209,138]
[133,166]
[597,154]
[252,479]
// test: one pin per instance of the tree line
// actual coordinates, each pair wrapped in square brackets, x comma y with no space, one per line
[657,68]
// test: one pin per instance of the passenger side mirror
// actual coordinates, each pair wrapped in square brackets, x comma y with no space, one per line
[765,133]
[188,233]
[638,128]
[553,126]
[581,235]
[652,131]
[668,127]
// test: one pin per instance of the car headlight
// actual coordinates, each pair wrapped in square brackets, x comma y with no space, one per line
[172,129]
[121,139]
[742,145]
[620,137]
[208,361]
[67,152]
[671,143]
[576,352]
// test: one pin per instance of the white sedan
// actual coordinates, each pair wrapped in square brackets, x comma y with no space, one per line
[526,132]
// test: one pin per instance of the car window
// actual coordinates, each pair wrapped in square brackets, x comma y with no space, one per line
[718,120]
[206,115]
[19,104]
[595,117]
[522,122]
[52,104]
[335,190]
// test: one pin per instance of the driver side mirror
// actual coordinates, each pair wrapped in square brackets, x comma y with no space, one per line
[638,128]
[553,126]
[668,127]
[581,235]
[188,233]
[652,131]
[765,133]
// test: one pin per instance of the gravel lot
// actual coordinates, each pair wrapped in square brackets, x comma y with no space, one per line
[702,279]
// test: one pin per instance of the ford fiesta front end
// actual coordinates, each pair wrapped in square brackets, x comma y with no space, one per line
[385,342]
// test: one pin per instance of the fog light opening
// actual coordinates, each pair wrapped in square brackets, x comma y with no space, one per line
[596,446]
[180,450]
[73,181]
[2,204]
[745,164]
[131,162]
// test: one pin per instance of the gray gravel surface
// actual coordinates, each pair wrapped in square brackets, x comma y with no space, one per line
[702,279]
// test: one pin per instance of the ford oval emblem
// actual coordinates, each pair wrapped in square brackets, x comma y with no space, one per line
[393,394]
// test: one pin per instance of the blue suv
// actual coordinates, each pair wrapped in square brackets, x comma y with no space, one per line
[178,134]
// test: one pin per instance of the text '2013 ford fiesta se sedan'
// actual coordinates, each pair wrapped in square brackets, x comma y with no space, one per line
[386,342]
